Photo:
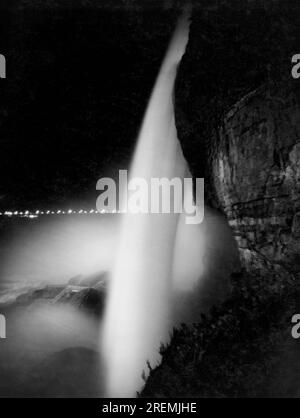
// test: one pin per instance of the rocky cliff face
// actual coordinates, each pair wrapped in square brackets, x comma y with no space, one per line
[255,168]
[237,113]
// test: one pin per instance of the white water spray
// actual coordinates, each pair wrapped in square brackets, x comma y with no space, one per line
[138,311]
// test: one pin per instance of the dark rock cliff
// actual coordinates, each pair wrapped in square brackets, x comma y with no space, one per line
[256,170]
[238,119]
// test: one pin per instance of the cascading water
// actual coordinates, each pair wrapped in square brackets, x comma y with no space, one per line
[138,310]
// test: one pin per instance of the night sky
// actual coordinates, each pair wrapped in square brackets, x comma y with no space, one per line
[78,82]
[80,73]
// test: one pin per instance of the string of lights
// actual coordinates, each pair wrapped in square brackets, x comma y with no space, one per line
[37,213]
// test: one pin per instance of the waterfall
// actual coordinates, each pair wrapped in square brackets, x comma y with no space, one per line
[138,311]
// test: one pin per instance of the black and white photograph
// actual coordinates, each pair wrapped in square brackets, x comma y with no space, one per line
[149,201]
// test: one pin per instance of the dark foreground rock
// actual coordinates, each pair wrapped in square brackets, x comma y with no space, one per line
[243,348]
[88,299]
[86,293]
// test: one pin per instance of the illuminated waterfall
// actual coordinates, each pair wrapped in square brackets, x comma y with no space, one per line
[138,310]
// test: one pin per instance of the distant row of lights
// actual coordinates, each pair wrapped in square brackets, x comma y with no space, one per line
[35,214]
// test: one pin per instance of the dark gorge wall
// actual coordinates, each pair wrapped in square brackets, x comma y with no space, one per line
[255,169]
[237,112]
